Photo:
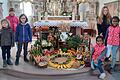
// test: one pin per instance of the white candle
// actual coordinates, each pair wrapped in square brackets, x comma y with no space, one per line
[39,16]
[46,16]
[54,8]
[81,16]
[47,1]
[61,1]
[73,15]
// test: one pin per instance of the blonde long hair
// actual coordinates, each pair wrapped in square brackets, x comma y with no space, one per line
[101,15]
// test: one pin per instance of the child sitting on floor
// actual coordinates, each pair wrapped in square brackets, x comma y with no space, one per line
[98,55]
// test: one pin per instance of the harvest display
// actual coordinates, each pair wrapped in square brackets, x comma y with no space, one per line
[72,52]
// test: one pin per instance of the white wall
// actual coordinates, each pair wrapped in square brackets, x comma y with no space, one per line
[5,7]
[102,2]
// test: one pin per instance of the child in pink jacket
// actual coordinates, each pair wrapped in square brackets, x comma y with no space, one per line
[113,40]
[98,55]
[12,19]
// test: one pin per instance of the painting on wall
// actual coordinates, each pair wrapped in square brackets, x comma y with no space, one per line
[113,8]
[1,11]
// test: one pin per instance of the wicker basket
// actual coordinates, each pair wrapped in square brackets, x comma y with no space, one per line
[43,64]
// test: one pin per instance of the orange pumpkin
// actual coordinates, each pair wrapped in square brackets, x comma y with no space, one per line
[44,28]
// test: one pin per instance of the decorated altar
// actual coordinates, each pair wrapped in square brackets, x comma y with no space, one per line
[58,47]
[75,26]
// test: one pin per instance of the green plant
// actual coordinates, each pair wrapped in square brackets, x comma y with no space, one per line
[74,41]
[37,43]
[36,52]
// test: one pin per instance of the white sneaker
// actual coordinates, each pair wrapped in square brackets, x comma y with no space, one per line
[102,76]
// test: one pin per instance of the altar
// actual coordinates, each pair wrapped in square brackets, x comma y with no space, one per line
[76,26]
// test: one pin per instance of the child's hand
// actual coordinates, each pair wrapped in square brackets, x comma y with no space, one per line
[96,61]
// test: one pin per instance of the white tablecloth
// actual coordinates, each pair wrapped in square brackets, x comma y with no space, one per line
[57,23]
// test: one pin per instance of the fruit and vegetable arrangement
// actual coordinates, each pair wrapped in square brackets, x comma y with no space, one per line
[73,54]
[58,59]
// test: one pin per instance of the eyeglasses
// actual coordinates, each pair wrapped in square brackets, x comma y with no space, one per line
[23,18]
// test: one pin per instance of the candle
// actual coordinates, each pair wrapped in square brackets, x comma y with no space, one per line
[48,1]
[39,16]
[61,1]
[46,16]
[73,15]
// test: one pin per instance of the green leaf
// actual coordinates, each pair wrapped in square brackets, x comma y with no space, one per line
[74,41]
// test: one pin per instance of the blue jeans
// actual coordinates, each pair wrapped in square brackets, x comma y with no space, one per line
[99,66]
[112,49]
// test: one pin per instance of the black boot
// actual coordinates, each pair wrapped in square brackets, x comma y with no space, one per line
[25,59]
[4,63]
[9,62]
[17,61]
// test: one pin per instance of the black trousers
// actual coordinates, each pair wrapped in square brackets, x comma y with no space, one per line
[104,30]
[6,51]
[99,29]
[20,45]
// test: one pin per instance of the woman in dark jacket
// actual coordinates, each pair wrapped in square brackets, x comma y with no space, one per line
[6,42]
[103,21]
[23,36]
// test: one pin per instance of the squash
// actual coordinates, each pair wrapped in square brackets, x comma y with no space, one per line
[44,28]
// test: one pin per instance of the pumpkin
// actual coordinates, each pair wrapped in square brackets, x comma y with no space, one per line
[44,28]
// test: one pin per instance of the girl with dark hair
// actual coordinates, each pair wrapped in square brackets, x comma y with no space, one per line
[113,40]
[98,55]
[6,42]
[23,36]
